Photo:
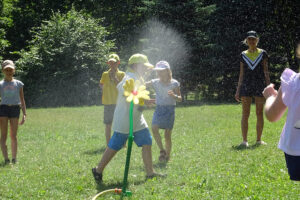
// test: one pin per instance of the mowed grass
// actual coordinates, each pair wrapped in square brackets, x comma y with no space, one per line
[59,146]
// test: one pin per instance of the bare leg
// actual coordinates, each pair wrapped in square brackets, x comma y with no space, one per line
[246,104]
[147,158]
[168,142]
[106,158]
[259,102]
[13,136]
[4,126]
[157,137]
[107,132]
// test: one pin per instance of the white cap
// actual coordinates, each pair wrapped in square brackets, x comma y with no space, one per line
[8,64]
[161,65]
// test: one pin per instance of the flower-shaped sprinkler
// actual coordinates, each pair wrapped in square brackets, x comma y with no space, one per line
[136,93]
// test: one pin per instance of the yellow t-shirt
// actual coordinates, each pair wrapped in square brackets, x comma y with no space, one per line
[109,90]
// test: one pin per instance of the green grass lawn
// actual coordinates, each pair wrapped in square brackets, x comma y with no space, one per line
[58,147]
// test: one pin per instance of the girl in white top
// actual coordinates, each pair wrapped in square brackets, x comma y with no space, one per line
[167,93]
[288,96]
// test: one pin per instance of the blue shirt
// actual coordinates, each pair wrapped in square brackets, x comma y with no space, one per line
[10,92]
[161,90]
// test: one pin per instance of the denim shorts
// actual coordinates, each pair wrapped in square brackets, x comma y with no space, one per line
[10,111]
[164,116]
[141,137]
[293,165]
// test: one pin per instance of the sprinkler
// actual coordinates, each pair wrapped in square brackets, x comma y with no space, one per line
[136,94]
[130,139]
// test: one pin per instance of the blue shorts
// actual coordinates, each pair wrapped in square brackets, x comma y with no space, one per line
[141,137]
[293,165]
[164,116]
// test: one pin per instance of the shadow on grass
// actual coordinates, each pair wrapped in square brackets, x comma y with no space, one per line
[102,186]
[96,151]
[3,164]
[242,148]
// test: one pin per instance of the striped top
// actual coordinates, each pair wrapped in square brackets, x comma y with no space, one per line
[253,66]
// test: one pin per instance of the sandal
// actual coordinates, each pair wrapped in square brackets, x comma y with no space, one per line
[97,176]
[162,156]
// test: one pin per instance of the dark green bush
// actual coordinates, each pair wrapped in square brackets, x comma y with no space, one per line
[65,61]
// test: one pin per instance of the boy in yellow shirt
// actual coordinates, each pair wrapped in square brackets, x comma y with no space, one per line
[109,81]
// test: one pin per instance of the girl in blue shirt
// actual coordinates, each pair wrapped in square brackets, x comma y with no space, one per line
[167,93]
[12,99]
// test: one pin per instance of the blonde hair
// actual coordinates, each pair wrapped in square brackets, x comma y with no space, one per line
[246,43]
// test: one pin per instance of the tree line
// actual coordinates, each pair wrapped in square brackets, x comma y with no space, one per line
[60,47]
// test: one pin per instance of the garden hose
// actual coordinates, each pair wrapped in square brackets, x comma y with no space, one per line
[116,190]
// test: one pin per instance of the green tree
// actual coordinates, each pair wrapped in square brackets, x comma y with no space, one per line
[5,22]
[65,60]
[25,15]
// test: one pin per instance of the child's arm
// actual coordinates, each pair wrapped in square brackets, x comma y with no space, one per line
[237,93]
[23,106]
[175,94]
[114,78]
[274,108]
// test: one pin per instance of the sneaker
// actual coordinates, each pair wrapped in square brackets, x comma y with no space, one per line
[244,144]
[13,161]
[97,176]
[155,175]
[6,161]
[261,142]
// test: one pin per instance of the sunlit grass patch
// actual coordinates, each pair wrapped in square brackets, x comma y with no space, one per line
[59,146]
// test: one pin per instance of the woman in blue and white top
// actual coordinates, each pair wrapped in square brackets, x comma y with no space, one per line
[167,93]
[12,99]
[253,78]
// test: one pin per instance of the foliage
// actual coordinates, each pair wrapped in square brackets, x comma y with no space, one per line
[188,48]
[123,19]
[27,14]
[56,154]
[201,39]
[65,60]
[228,25]
[5,23]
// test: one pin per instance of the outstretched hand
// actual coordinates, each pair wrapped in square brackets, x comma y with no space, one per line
[171,93]
[270,91]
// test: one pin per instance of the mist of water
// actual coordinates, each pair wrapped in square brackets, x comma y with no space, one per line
[161,42]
